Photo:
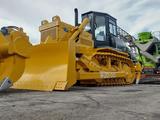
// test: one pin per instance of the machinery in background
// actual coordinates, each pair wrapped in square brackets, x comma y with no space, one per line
[90,53]
[149,57]
[14,50]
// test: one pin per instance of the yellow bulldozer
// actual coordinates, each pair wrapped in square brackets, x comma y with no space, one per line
[90,53]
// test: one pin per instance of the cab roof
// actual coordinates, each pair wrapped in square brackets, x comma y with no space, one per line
[100,13]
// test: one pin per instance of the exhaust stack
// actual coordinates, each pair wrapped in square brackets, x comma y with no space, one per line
[76,16]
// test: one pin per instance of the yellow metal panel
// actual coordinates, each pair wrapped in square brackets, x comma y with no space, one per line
[100,75]
[12,67]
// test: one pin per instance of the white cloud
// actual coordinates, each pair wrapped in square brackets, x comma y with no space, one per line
[33,33]
[132,15]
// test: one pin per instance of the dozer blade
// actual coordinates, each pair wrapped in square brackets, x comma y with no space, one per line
[51,66]
[46,69]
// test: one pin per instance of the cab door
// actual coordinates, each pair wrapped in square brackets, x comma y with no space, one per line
[100,31]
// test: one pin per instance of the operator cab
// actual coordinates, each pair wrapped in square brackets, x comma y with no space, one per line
[103,28]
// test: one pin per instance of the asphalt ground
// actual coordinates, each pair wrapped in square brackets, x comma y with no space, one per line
[137,102]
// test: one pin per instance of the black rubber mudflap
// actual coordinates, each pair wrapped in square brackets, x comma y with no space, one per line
[150,80]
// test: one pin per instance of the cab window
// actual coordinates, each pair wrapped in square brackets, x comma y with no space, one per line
[112,27]
[100,28]
[88,26]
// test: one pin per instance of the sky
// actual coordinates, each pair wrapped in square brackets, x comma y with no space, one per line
[133,16]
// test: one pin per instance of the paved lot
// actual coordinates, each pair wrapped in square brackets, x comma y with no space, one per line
[140,102]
